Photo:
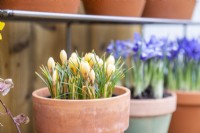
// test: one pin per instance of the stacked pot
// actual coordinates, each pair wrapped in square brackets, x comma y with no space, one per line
[176,9]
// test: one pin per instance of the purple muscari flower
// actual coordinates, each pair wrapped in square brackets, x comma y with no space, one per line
[137,43]
[110,48]
[120,48]
[190,48]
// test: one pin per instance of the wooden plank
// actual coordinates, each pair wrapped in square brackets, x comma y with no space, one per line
[101,35]
[16,64]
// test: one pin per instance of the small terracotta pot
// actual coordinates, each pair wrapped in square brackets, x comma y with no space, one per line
[176,9]
[62,6]
[115,7]
[109,115]
[151,116]
[186,118]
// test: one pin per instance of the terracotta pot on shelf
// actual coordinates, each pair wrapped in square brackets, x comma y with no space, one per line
[133,8]
[151,116]
[186,118]
[175,9]
[61,6]
[108,115]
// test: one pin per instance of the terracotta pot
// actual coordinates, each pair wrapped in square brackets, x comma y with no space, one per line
[109,115]
[186,118]
[151,116]
[115,7]
[62,6]
[176,9]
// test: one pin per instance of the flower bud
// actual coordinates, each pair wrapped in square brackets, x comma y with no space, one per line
[100,62]
[63,57]
[73,63]
[110,69]
[90,58]
[85,69]
[51,64]
[55,75]
[92,76]
[74,55]
[110,60]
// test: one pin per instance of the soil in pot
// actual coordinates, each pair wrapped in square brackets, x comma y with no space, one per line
[115,7]
[62,6]
[148,93]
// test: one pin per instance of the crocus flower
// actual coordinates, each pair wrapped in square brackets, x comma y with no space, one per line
[2,25]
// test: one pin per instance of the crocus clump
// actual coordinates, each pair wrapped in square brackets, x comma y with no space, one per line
[82,77]
[148,59]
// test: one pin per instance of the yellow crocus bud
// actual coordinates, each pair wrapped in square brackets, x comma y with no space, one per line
[85,69]
[110,60]
[90,58]
[73,63]
[92,76]
[110,69]
[63,57]
[51,64]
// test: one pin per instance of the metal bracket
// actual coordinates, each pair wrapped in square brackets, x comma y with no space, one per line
[68,37]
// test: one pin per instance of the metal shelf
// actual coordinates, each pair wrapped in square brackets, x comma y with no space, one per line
[18,15]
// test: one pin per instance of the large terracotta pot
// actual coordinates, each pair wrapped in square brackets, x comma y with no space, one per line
[176,9]
[151,116]
[115,7]
[63,6]
[186,118]
[109,115]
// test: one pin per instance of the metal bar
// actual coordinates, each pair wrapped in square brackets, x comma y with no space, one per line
[68,36]
[18,15]
[185,30]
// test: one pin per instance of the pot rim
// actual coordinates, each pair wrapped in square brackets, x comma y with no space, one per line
[188,98]
[35,95]
[153,107]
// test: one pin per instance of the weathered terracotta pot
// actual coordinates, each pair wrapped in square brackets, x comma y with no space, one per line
[115,7]
[186,118]
[62,6]
[151,116]
[109,115]
[176,9]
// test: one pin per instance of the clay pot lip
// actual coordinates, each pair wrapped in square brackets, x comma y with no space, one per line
[153,107]
[188,98]
[125,94]
[184,92]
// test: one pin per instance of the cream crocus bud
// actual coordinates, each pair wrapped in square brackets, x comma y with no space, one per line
[100,62]
[55,75]
[110,69]
[63,57]
[74,55]
[85,69]
[110,60]
[51,64]
[92,76]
